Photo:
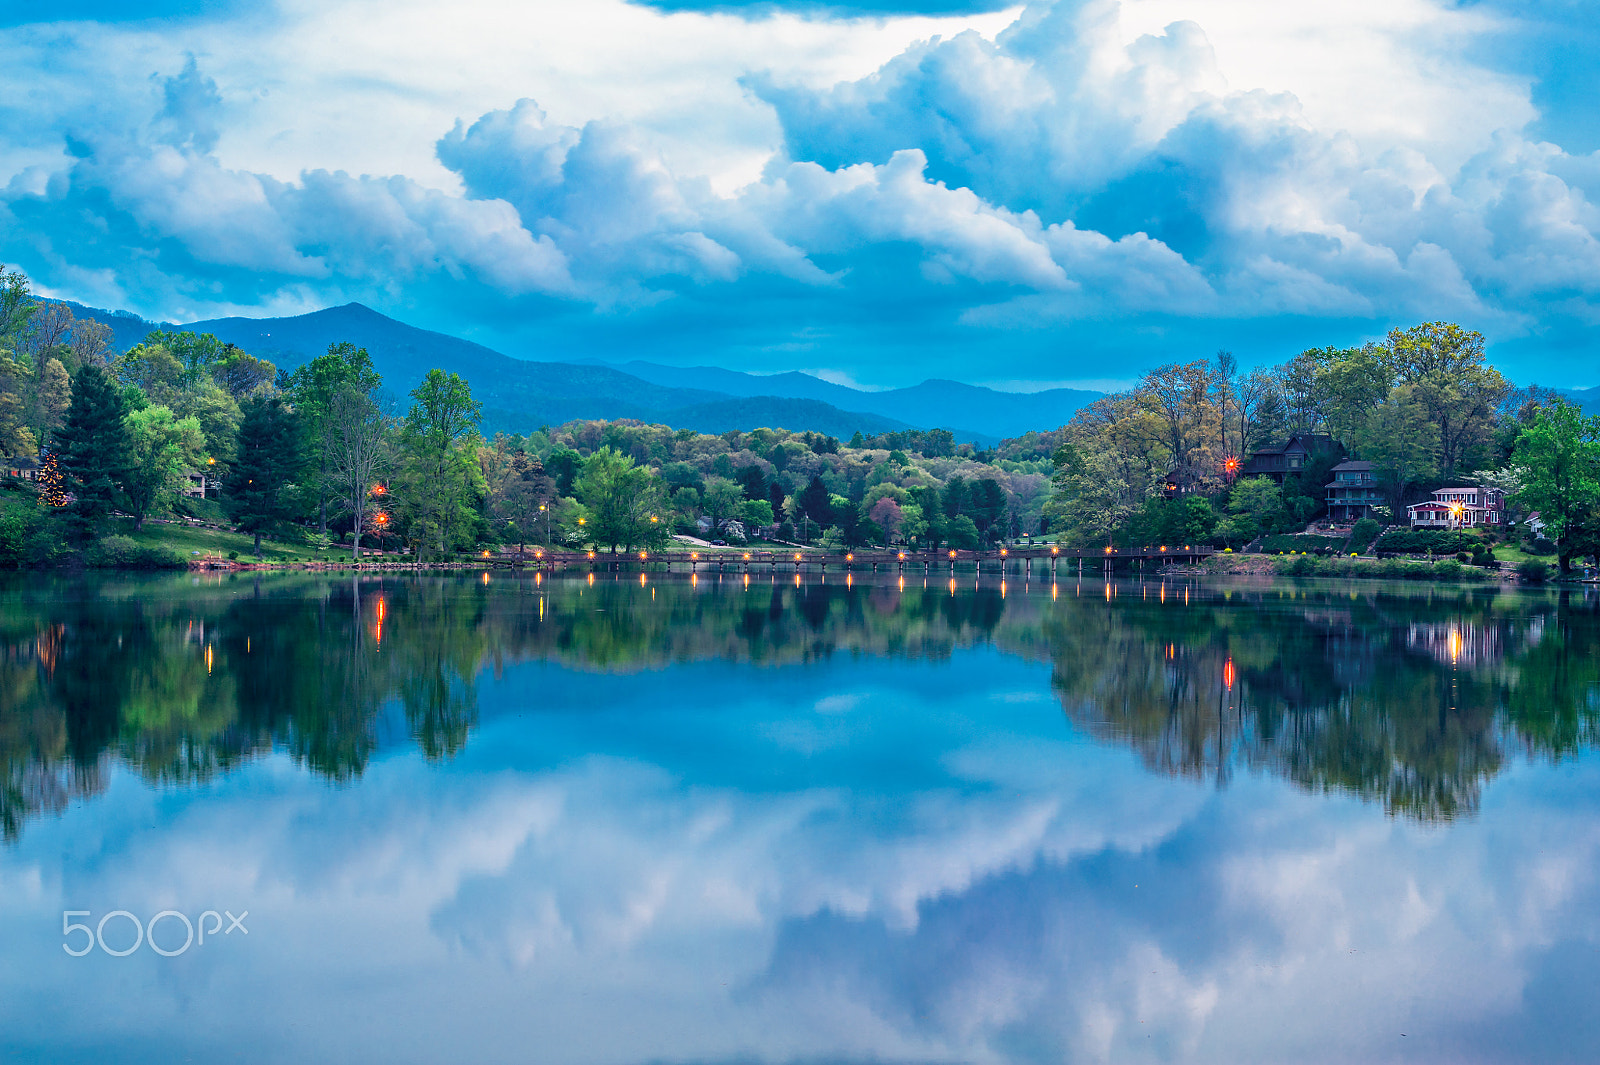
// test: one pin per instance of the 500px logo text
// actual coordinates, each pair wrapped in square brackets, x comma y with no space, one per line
[145,932]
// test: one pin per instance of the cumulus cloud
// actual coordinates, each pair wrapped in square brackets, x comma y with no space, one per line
[1098,175]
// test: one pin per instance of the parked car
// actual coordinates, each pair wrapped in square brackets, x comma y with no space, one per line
[719,543]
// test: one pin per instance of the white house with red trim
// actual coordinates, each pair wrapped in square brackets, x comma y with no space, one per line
[1459,508]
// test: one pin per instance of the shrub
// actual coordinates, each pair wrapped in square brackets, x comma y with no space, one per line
[15,529]
[1293,544]
[232,556]
[1541,546]
[1366,530]
[1424,541]
[1534,570]
[121,552]
[1448,570]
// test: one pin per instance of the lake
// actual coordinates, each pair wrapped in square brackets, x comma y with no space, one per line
[501,818]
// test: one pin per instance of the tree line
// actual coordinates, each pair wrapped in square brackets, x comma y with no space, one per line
[326,450]
[1160,461]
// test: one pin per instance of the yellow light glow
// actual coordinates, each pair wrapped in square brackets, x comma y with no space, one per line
[694,555]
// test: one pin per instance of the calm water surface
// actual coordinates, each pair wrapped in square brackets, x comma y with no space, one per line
[497,819]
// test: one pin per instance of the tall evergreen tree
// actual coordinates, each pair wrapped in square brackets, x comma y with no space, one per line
[267,454]
[814,502]
[93,450]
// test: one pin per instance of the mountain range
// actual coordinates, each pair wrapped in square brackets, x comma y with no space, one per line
[519,395]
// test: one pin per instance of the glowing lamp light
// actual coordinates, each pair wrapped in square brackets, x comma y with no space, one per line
[644,554]
[654,519]
[1163,547]
[1108,550]
[694,555]
[591,554]
[952,554]
[902,556]
[1055,550]
[486,553]
[1002,552]
[797,556]
[747,556]
[849,558]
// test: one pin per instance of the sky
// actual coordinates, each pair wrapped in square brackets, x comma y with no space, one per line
[1022,195]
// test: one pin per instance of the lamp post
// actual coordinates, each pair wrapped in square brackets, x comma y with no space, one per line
[545,510]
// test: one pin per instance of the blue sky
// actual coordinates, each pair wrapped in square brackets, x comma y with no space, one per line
[1058,192]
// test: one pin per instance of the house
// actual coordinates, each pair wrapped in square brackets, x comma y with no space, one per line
[23,468]
[1459,508]
[1353,492]
[1291,456]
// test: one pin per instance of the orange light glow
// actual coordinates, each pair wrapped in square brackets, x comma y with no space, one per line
[1227,674]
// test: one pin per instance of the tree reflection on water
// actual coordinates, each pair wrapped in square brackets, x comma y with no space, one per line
[1415,698]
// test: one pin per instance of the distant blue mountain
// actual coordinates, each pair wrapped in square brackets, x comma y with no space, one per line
[1587,398]
[972,409]
[517,395]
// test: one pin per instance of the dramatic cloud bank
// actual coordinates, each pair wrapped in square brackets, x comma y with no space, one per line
[1064,191]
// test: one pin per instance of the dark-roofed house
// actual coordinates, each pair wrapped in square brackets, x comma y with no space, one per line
[1291,456]
[1352,492]
[22,467]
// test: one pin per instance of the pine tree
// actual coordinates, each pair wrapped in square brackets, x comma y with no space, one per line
[92,450]
[267,455]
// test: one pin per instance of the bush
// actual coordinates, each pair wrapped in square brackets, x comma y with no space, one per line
[232,556]
[1541,546]
[1366,530]
[121,552]
[15,529]
[1425,541]
[1534,570]
[1272,545]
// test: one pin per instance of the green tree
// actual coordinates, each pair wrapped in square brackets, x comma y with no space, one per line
[17,304]
[962,532]
[720,501]
[814,502]
[622,498]
[438,440]
[1401,444]
[162,450]
[93,450]
[1256,507]
[1559,452]
[752,481]
[314,388]
[265,459]
[1454,385]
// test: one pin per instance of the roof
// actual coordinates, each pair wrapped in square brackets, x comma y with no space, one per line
[1354,466]
[1294,438]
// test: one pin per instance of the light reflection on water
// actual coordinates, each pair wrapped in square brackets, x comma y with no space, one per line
[878,819]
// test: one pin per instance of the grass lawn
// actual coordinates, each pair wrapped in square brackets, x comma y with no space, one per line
[1512,555]
[188,542]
